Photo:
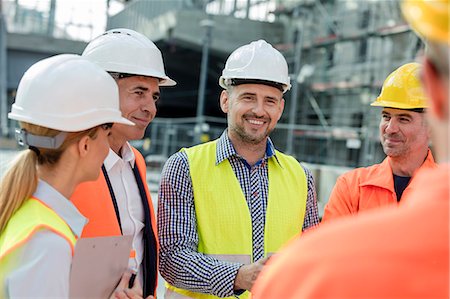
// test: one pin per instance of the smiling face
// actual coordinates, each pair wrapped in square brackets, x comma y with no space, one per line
[253,111]
[403,132]
[138,97]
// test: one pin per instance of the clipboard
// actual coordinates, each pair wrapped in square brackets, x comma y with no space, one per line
[98,265]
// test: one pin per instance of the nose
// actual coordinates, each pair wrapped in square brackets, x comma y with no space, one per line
[149,105]
[258,108]
[391,126]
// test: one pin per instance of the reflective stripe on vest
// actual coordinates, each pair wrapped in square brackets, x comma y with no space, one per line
[223,218]
[31,217]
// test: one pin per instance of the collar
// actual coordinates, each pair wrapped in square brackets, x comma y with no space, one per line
[61,205]
[113,158]
[438,177]
[378,177]
[226,150]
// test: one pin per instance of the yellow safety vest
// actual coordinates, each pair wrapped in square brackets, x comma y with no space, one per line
[223,219]
[31,217]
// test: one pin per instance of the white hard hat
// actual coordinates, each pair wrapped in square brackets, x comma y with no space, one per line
[127,51]
[257,61]
[67,93]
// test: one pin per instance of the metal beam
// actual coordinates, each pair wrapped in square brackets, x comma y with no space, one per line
[294,91]
[208,24]
[3,70]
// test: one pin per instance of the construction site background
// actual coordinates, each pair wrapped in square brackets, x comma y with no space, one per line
[339,53]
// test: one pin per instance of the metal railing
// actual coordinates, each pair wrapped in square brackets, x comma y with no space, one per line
[313,144]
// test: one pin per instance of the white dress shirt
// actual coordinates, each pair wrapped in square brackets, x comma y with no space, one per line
[129,201]
[46,258]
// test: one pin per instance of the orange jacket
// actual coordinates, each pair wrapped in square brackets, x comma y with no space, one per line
[94,201]
[390,252]
[367,188]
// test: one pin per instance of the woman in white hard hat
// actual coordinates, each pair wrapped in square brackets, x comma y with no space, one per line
[66,106]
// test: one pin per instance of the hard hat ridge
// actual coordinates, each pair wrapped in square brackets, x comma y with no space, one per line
[67,93]
[256,61]
[402,89]
[126,51]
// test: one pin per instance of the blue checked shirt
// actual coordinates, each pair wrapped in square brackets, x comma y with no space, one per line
[179,262]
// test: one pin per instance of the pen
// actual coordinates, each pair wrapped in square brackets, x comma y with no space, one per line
[131,282]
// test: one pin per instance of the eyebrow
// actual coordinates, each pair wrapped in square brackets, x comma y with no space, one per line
[247,94]
[273,98]
[397,115]
[142,88]
[254,94]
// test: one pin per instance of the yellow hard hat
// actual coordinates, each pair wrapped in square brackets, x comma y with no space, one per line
[429,18]
[402,89]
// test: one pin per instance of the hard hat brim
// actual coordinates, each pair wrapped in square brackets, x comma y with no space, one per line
[396,105]
[75,124]
[223,82]
[166,81]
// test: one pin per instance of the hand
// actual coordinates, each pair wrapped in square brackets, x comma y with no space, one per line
[123,292]
[247,275]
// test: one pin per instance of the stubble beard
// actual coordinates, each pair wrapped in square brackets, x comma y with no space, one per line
[394,152]
[239,131]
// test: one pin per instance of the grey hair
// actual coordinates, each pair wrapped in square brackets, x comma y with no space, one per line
[230,89]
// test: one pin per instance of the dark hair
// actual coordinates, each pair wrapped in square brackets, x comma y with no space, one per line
[277,85]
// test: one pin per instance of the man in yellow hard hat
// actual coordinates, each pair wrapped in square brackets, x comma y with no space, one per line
[391,252]
[404,135]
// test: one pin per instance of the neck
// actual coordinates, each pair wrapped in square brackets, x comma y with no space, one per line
[252,153]
[116,144]
[59,178]
[407,165]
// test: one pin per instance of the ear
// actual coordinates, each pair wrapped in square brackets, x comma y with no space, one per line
[224,101]
[84,146]
[436,90]
[281,108]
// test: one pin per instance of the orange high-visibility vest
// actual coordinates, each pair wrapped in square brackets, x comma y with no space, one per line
[94,201]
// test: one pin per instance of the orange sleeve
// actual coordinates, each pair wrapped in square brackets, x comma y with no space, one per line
[342,198]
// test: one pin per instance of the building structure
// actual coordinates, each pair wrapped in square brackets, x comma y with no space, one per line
[339,53]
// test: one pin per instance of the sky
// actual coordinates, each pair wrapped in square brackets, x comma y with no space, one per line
[81,19]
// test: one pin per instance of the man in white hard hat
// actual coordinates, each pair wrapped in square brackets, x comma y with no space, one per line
[119,202]
[225,206]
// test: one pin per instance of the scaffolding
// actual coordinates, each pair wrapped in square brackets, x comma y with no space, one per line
[339,53]
[347,49]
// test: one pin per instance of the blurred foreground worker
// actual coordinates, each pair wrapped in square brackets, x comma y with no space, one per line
[119,202]
[66,106]
[404,135]
[391,252]
[225,206]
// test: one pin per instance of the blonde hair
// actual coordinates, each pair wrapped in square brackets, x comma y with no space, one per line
[20,180]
